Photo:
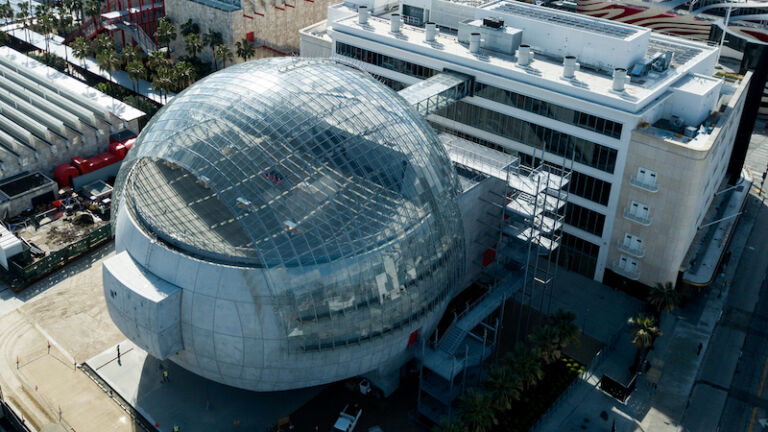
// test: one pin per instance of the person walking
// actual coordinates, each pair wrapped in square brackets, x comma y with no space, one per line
[165,376]
[118,352]
[176,428]
[698,349]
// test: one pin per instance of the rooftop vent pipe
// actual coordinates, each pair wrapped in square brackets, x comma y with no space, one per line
[524,55]
[474,42]
[431,31]
[362,15]
[619,79]
[569,67]
[395,23]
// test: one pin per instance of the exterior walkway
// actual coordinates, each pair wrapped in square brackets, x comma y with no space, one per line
[58,48]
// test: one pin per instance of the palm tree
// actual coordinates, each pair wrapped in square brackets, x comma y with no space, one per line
[565,324]
[244,50]
[47,22]
[527,365]
[108,61]
[6,11]
[103,43]
[190,27]
[163,81]
[222,52]
[546,340]
[93,9]
[476,411]
[504,385]
[193,44]
[130,53]
[136,71]
[74,5]
[80,49]
[165,33]
[644,333]
[183,73]
[212,39]
[23,16]
[157,61]
[664,296]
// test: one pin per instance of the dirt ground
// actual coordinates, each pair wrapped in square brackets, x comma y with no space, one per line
[66,310]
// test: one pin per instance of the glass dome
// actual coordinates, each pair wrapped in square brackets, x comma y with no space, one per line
[290,162]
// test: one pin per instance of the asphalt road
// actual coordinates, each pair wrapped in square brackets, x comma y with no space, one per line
[732,385]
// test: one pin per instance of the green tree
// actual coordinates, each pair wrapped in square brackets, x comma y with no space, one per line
[183,73]
[212,39]
[193,44]
[23,16]
[526,363]
[476,411]
[6,11]
[504,386]
[565,324]
[546,340]
[644,332]
[223,53]
[189,28]
[165,33]
[130,54]
[244,50]
[664,297]
[136,71]
[108,61]
[47,22]
[157,60]
[80,49]
[93,9]
[163,81]
[75,6]
[103,43]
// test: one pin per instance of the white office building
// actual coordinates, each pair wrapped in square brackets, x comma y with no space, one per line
[647,127]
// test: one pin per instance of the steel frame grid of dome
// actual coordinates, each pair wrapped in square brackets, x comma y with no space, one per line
[378,250]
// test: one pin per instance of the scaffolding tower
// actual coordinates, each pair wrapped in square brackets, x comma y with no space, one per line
[525,234]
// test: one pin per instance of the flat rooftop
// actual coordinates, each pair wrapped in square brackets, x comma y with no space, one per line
[67,84]
[588,84]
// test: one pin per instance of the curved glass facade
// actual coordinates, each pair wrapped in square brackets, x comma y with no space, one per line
[318,175]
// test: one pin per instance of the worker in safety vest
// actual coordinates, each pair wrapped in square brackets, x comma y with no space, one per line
[175,428]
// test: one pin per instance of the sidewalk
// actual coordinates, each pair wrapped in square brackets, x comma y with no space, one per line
[58,48]
[674,368]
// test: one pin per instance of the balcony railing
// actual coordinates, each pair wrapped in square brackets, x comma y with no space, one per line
[637,252]
[638,219]
[633,274]
[634,181]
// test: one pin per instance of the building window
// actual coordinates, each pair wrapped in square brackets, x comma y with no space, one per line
[384,61]
[646,176]
[633,245]
[413,15]
[628,265]
[550,110]
[536,136]
[639,210]
[584,219]
[579,255]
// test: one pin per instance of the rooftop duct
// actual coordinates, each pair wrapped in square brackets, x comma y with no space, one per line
[524,55]
[474,42]
[431,29]
[570,67]
[619,79]
[362,15]
[395,23]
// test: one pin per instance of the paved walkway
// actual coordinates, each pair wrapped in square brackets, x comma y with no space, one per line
[58,48]
[675,360]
